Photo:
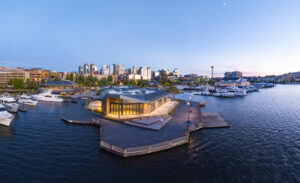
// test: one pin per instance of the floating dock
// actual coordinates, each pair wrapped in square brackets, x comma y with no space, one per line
[127,140]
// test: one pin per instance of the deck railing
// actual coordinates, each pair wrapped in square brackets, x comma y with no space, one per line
[132,151]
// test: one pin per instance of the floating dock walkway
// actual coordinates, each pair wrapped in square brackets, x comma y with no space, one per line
[126,140]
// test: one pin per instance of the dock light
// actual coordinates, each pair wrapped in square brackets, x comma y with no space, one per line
[188,103]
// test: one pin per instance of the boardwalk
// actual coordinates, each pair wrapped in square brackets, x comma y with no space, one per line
[126,140]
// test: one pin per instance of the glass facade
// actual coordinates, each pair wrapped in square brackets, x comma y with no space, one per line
[126,108]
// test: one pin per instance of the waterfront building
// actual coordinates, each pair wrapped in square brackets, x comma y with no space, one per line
[36,74]
[123,101]
[8,74]
[233,78]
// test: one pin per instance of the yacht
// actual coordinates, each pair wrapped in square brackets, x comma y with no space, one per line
[223,93]
[9,102]
[5,117]
[48,96]
[237,91]
[27,100]
[197,93]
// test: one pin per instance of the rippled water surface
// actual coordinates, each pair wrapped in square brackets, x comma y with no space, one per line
[262,145]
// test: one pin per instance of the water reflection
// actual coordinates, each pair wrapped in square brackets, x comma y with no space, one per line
[5,131]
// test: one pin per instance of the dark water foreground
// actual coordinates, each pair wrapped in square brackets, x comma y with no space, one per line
[262,145]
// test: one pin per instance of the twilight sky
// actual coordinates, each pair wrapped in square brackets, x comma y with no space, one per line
[257,37]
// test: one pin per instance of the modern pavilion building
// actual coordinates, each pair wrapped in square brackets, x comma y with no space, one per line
[131,101]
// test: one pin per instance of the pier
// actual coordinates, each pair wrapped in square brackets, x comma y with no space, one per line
[131,140]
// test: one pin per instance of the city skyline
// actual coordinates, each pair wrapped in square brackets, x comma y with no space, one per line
[254,37]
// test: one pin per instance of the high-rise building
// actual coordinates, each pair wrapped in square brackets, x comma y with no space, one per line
[134,70]
[86,69]
[105,70]
[111,69]
[80,70]
[149,73]
[93,68]
[145,73]
[119,69]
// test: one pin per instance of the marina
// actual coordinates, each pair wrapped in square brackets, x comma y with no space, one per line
[256,117]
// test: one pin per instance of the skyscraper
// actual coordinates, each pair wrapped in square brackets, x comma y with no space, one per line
[80,70]
[105,70]
[111,69]
[92,69]
[134,70]
[146,73]
[86,69]
[119,69]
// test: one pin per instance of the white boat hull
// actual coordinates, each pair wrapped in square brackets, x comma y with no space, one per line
[27,102]
[5,121]
[12,107]
[50,99]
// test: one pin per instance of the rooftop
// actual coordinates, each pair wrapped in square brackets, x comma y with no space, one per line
[136,94]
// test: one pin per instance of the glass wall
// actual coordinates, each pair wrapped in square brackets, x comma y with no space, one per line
[125,108]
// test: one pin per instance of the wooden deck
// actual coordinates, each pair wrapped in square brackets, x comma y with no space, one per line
[126,140]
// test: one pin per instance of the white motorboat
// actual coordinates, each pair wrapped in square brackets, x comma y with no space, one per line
[197,93]
[48,96]
[223,93]
[27,100]
[5,117]
[240,92]
[206,93]
[9,102]
[237,91]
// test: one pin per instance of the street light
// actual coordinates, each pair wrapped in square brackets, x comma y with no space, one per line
[188,103]
[190,108]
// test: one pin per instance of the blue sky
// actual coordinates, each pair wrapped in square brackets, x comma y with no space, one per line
[257,37]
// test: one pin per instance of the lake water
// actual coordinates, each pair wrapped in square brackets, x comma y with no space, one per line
[262,145]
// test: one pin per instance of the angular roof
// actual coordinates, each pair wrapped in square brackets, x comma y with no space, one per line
[140,97]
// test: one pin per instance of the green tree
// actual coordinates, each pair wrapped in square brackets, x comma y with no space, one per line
[68,77]
[110,80]
[211,82]
[89,81]
[103,82]
[142,83]
[132,83]
[80,79]
[125,82]
[173,89]
[71,77]
[17,83]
